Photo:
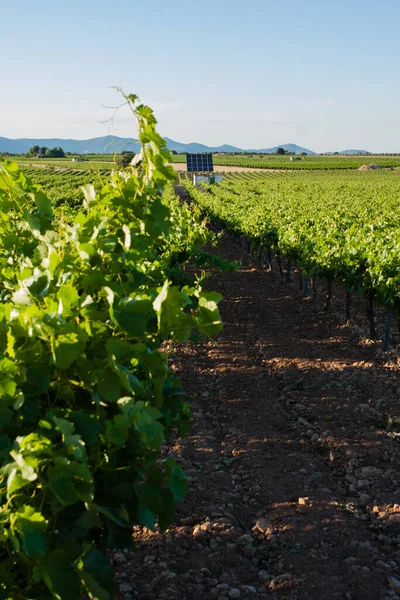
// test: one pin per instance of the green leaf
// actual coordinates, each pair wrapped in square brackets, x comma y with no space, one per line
[32,526]
[61,576]
[98,576]
[67,348]
[209,320]
[87,425]
[133,315]
[34,543]
[68,298]
[109,385]
[66,427]
[19,479]
[121,349]
[38,377]
[62,484]
[71,481]
[178,485]
[172,321]
[43,204]
[89,193]
[115,434]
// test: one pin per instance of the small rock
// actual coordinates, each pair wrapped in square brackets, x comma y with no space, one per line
[354,568]
[368,471]
[383,566]
[365,569]
[303,423]
[349,561]
[125,587]
[263,576]
[198,532]
[234,593]
[277,580]
[262,525]
[223,587]
[304,501]
[250,589]
[365,545]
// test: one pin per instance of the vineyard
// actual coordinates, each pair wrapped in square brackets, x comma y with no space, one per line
[90,163]
[282,473]
[340,228]
[87,396]
[271,161]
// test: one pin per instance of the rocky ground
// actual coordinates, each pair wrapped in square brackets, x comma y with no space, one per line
[292,455]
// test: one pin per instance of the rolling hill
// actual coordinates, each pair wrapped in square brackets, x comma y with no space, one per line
[110,144]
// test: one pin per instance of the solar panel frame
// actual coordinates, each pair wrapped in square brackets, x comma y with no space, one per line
[199,163]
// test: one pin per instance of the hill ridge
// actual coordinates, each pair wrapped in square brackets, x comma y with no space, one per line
[110,144]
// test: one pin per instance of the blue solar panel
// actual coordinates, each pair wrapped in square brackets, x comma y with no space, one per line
[199,163]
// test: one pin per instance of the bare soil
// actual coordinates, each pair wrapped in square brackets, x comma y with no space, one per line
[292,455]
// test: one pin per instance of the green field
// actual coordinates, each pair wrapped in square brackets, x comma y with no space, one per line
[340,226]
[63,188]
[91,163]
[272,161]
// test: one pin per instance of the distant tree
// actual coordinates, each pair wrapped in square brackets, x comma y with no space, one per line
[173,152]
[303,154]
[43,150]
[125,158]
[34,151]
[56,152]
[336,154]
[59,151]
[280,151]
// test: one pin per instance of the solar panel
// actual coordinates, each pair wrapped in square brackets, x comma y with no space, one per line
[199,163]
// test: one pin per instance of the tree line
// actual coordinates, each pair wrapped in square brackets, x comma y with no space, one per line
[44,152]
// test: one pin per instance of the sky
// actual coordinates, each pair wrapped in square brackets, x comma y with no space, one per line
[251,73]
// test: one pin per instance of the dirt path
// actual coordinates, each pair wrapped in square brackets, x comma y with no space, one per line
[294,478]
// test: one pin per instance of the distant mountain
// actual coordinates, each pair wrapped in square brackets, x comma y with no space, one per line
[110,144]
[194,147]
[101,145]
[289,147]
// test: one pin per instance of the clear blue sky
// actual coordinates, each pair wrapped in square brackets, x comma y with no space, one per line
[251,73]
